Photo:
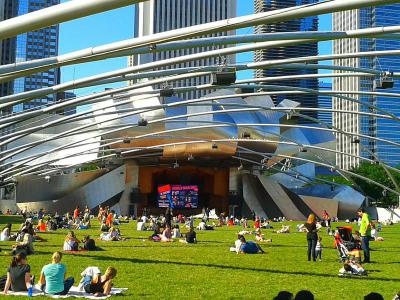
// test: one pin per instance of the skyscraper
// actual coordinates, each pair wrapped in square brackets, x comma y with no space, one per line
[309,49]
[380,128]
[325,102]
[30,46]
[156,16]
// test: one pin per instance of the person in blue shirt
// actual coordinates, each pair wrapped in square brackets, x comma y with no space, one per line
[53,277]
[249,247]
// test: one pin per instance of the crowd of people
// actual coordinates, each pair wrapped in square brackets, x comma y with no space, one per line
[53,278]
[165,228]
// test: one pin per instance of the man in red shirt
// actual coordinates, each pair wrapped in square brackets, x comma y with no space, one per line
[76,213]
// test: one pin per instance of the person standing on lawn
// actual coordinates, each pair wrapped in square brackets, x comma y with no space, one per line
[365,232]
[76,213]
[312,236]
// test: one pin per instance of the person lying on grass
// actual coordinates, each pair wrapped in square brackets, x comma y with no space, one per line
[18,274]
[284,229]
[190,237]
[52,278]
[238,243]
[249,247]
[112,235]
[260,237]
[71,243]
[100,285]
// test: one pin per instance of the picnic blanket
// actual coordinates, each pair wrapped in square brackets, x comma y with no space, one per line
[73,292]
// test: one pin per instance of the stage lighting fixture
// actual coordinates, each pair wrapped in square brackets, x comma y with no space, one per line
[167,92]
[142,122]
[356,141]
[384,83]
[240,168]
[126,141]
[226,76]
[246,135]
[302,149]
[214,146]
[47,178]
[190,157]
[175,165]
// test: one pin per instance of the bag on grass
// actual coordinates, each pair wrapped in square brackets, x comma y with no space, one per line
[3,280]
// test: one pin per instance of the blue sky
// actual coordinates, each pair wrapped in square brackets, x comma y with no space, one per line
[118,25]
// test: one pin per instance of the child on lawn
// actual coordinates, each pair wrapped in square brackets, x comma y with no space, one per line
[318,248]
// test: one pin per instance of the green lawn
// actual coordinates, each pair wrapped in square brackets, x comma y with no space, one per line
[209,271]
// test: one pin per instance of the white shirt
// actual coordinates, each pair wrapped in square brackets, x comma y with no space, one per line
[5,235]
[238,243]
[202,226]
[140,226]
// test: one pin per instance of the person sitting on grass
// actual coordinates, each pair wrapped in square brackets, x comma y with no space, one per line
[166,236]
[190,237]
[155,237]
[41,226]
[260,237]
[71,243]
[5,235]
[141,225]
[25,245]
[89,244]
[18,275]
[100,285]
[374,234]
[52,278]
[176,233]
[249,247]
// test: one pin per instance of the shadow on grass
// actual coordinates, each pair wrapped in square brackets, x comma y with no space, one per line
[235,268]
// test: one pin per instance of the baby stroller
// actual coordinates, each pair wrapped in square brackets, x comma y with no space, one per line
[345,242]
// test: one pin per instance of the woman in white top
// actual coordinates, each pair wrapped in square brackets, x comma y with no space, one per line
[6,233]
[176,233]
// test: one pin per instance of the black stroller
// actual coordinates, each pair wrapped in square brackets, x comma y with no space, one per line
[345,242]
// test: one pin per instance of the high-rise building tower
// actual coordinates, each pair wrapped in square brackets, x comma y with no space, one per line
[156,16]
[325,102]
[30,46]
[308,49]
[380,128]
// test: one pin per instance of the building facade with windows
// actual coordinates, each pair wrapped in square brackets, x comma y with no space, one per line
[309,49]
[156,16]
[325,102]
[373,127]
[39,44]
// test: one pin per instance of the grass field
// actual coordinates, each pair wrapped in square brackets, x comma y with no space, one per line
[208,270]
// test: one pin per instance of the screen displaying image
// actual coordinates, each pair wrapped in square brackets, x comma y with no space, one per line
[164,195]
[178,196]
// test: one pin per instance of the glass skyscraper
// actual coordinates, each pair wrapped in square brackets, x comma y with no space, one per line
[380,128]
[39,44]
[309,49]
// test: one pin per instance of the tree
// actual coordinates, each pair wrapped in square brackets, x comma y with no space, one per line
[377,173]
